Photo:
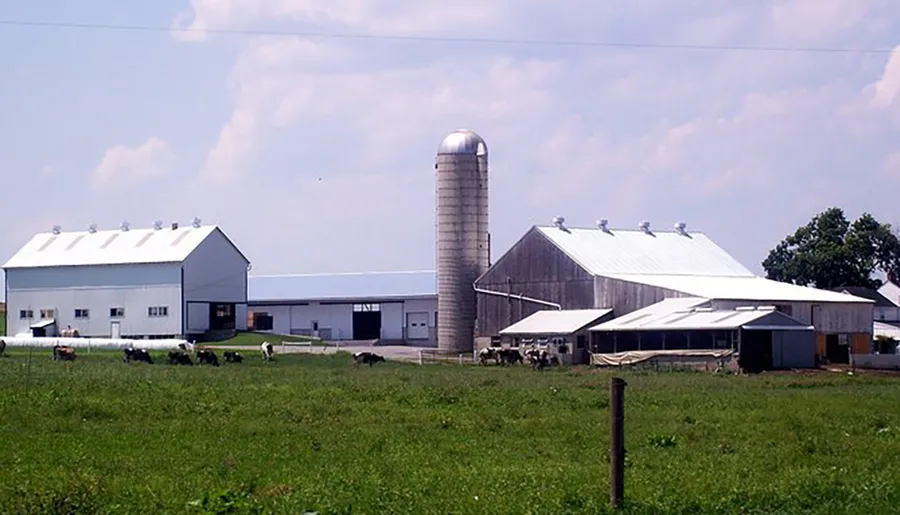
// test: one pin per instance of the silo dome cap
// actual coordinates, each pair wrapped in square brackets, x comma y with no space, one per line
[463,141]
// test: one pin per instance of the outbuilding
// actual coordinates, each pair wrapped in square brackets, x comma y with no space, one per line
[163,282]
[762,337]
[564,332]
[387,307]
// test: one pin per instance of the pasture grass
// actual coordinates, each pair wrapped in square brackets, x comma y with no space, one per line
[316,433]
[255,339]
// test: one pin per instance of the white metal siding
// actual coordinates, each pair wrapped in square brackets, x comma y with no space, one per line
[197,317]
[215,272]
[336,320]
[97,289]
[98,302]
[392,316]
[241,314]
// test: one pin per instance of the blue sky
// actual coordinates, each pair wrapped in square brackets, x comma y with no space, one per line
[109,125]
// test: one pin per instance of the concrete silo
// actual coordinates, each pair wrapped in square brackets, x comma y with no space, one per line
[463,246]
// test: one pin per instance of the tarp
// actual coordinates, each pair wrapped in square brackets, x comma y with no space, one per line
[640,356]
[95,343]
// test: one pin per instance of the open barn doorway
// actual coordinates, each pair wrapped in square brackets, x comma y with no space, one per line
[366,321]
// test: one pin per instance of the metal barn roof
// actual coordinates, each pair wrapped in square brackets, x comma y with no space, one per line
[886,330]
[618,251]
[345,286]
[110,247]
[698,318]
[556,322]
[740,288]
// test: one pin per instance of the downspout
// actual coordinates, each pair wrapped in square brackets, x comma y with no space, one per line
[520,297]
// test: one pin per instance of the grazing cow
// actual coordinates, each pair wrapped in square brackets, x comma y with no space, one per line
[268,351]
[207,356]
[137,355]
[2,347]
[367,358]
[233,357]
[63,353]
[179,357]
[488,353]
[510,356]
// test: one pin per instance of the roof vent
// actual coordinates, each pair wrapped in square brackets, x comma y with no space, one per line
[157,225]
[125,226]
[56,229]
[681,228]
[92,228]
[645,226]
[196,222]
[174,225]
[603,224]
[559,222]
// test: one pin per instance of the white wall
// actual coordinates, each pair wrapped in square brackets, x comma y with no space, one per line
[215,272]
[97,289]
[338,318]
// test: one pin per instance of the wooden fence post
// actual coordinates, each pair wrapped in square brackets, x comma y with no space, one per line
[617,441]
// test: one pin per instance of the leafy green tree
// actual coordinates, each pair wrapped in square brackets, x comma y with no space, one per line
[830,252]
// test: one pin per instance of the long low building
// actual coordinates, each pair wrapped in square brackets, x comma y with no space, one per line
[393,307]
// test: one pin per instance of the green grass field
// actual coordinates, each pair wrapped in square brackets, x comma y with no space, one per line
[316,433]
[256,339]
[2,323]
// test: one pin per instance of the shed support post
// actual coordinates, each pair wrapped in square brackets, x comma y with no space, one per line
[617,441]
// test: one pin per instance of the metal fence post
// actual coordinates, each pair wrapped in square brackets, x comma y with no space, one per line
[617,441]
[421,360]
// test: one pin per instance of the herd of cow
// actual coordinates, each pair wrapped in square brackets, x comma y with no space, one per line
[179,356]
[537,358]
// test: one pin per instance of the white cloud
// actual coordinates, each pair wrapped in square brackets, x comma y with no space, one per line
[626,134]
[126,166]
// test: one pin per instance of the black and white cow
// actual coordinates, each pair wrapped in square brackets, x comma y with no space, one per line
[268,351]
[207,356]
[137,355]
[233,357]
[367,358]
[179,357]
[489,353]
[510,356]
[61,353]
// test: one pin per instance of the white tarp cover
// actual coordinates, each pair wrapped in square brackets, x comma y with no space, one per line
[94,343]
[639,356]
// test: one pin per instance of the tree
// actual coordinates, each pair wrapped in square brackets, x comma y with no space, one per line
[830,252]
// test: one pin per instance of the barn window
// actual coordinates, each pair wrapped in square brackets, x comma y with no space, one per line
[47,314]
[116,312]
[158,311]
[366,307]
[26,314]
[82,313]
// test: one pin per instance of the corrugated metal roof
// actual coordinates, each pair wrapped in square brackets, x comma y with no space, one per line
[556,322]
[698,318]
[886,330]
[345,286]
[111,247]
[740,288]
[636,252]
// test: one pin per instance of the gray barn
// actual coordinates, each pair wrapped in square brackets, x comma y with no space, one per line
[558,267]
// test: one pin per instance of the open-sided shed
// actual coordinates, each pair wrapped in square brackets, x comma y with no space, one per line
[763,337]
[565,332]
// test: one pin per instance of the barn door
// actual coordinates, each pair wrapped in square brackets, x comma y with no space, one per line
[114,329]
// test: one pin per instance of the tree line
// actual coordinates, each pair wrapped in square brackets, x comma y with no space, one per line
[831,252]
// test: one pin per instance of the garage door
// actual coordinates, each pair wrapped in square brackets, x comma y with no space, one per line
[417,326]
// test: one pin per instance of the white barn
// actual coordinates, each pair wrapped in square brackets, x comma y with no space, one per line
[393,307]
[163,282]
